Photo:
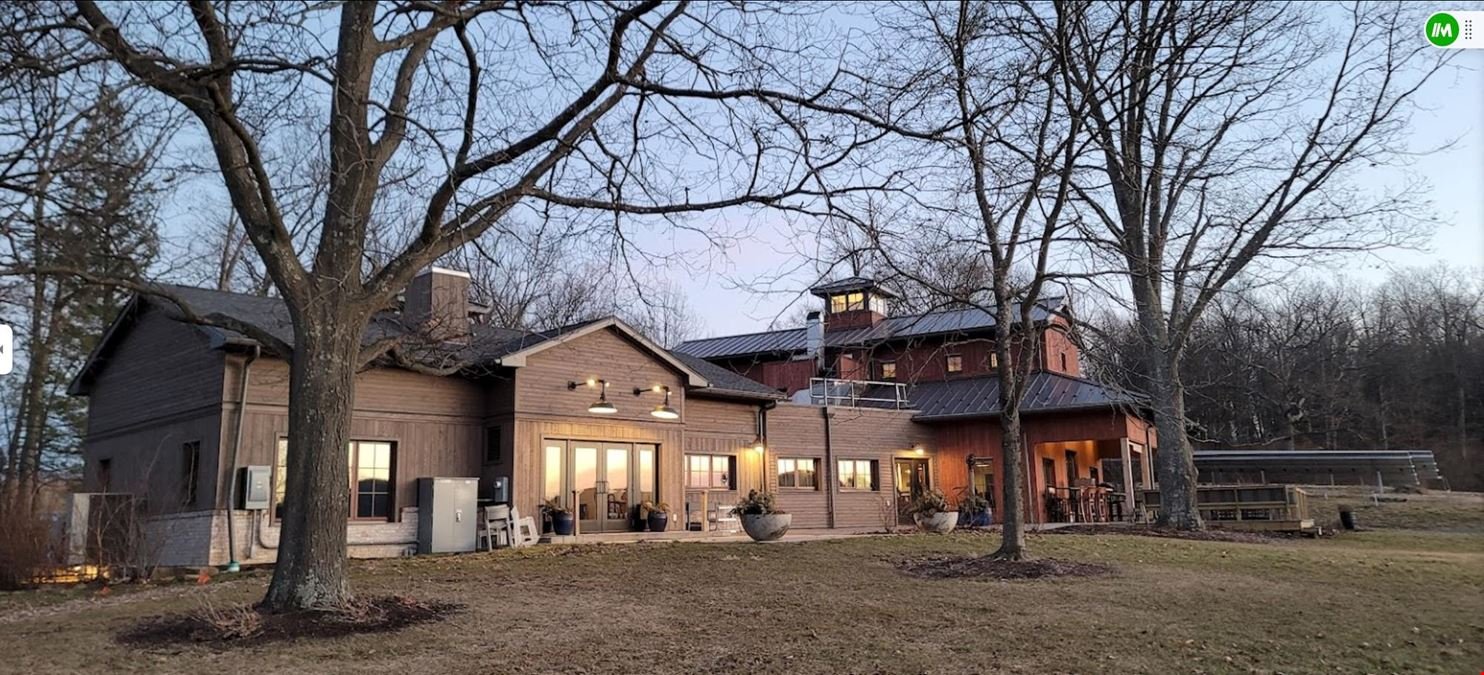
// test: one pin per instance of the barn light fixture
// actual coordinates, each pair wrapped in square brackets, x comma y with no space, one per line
[662,411]
[601,406]
[758,445]
[919,449]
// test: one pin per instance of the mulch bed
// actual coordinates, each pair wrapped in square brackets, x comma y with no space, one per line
[985,567]
[1193,535]
[243,626]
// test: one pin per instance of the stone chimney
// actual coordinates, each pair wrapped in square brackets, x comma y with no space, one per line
[438,300]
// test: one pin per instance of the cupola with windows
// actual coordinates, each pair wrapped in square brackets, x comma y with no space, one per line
[853,302]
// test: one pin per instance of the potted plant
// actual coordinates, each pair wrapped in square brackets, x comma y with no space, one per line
[973,509]
[562,522]
[762,520]
[931,512]
[656,515]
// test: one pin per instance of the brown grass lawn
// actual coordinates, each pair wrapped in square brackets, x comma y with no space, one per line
[1378,601]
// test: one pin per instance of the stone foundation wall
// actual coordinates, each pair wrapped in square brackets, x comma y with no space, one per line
[199,538]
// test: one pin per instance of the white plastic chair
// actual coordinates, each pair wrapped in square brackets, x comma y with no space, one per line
[494,527]
[523,530]
[724,518]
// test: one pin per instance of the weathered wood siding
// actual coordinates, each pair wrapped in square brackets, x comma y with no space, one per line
[437,423]
[158,387]
[798,431]
[544,408]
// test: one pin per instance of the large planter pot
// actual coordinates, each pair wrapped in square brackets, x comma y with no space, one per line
[941,523]
[563,524]
[766,527]
[658,522]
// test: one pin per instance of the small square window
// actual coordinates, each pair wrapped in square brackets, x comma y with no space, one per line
[888,370]
[955,363]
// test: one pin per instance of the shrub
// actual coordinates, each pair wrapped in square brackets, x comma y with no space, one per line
[973,503]
[930,503]
[758,504]
[25,550]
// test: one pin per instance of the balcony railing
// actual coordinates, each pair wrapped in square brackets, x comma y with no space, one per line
[857,393]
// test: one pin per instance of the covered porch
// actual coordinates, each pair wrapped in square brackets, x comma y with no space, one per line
[1086,466]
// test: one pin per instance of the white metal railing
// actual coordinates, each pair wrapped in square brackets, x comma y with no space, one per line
[831,391]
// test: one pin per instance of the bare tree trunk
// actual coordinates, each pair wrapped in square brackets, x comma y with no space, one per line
[311,568]
[1174,463]
[1012,513]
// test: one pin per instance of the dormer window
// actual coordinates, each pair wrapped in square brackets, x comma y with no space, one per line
[888,370]
[955,363]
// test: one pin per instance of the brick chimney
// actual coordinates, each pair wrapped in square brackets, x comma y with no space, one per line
[438,299]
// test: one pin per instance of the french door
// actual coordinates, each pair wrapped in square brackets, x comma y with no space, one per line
[600,481]
[912,480]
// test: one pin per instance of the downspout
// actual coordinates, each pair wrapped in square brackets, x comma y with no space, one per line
[232,564]
[762,435]
[824,471]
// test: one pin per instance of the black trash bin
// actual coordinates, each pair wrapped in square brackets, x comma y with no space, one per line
[1347,518]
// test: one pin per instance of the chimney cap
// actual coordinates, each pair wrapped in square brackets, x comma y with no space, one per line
[434,269]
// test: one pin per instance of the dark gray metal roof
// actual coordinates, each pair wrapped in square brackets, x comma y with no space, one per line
[980,396]
[791,340]
[487,344]
[851,284]
[1318,466]
[726,382]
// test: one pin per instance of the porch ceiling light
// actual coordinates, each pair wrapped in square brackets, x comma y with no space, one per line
[663,410]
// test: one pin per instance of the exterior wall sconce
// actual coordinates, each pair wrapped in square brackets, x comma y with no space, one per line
[758,445]
[601,406]
[918,449]
[662,411]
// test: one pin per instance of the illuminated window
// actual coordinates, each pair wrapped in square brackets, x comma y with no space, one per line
[711,472]
[371,463]
[798,473]
[888,370]
[955,363]
[994,360]
[857,474]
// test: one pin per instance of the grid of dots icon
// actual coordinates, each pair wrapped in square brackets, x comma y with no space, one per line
[1468,30]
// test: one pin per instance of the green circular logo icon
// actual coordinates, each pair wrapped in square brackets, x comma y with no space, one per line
[1442,29]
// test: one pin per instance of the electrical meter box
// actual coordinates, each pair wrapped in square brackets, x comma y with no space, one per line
[257,488]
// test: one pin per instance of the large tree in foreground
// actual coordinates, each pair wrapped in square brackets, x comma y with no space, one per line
[1226,135]
[451,118]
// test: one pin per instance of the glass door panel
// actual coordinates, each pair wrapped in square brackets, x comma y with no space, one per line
[616,486]
[585,484]
[645,478]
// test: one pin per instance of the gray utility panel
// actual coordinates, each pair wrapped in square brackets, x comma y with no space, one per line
[447,514]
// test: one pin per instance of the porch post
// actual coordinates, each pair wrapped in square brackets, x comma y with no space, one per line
[1146,462]
[1128,477]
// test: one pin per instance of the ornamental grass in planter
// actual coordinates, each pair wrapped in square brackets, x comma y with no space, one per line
[931,512]
[762,520]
